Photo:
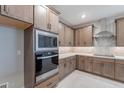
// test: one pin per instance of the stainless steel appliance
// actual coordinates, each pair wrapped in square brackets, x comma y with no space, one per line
[46,41]
[46,64]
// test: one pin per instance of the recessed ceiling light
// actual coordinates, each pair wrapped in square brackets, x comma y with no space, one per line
[83,16]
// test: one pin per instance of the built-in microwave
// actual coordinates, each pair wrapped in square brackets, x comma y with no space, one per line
[46,41]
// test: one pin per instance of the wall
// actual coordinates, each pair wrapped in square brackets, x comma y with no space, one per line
[117,51]
[11,57]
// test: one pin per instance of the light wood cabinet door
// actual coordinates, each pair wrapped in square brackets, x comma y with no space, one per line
[68,66]
[53,21]
[88,64]
[83,36]
[69,36]
[86,36]
[108,69]
[119,70]
[61,68]
[120,32]
[77,38]
[97,66]
[20,12]
[61,34]
[80,63]
[41,17]
[73,60]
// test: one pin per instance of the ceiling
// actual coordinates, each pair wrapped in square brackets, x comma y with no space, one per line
[71,14]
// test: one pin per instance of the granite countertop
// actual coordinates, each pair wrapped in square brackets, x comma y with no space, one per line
[65,55]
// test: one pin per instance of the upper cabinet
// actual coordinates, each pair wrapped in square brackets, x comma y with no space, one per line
[61,34]
[83,36]
[40,17]
[69,36]
[46,19]
[66,35]
[53,21]
[120,32]
[20,12]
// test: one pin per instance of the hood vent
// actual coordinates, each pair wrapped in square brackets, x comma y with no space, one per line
[104,34]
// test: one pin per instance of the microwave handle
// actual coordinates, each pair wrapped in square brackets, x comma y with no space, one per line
[47,57]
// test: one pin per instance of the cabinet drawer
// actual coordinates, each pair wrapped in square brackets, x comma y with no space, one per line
[49,83]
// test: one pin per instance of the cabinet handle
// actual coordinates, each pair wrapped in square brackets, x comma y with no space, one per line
[69,43]
[64,65]
[50,26]
[59,42]
[5,8]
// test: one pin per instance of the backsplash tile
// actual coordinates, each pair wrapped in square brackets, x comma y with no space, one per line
[117,51]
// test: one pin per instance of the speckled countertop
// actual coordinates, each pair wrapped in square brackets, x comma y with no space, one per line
[65,55]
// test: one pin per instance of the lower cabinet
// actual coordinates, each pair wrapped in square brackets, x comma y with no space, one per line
[119,70]
[85,63]
[108,69]
[97,66]
[49,83]
[104,67]
[88,64]
[66,66]
[80,62]
[62,66]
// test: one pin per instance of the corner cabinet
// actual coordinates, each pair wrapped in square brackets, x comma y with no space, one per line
[69,36]
[83,36]
[66,35]
[66,66]
[20,12]
[46,19]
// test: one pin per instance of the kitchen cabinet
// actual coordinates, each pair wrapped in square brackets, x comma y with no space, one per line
[97,66]
[61,34]
[62,65]
[119,70]
[88,64]
[40,17]
[108,69]
[80,62]
[66,35]
[85,63]
[120,32]
[83,36]
[66,66]
[69,36]
[104,67]
[51,82]
[46,19]
[53,21]
[20,12]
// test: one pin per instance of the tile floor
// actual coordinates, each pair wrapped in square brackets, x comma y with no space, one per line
[79,79]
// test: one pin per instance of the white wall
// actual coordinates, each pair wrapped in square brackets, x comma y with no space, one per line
[12,56]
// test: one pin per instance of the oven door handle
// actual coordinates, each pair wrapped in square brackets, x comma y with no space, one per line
[47,57]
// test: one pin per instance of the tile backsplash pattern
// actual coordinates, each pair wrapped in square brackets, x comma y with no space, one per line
[117,51]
